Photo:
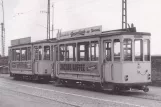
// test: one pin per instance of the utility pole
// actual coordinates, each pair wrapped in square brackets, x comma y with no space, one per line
[3,32]
[48,20]
[2,37]
[124,14]
[53,21]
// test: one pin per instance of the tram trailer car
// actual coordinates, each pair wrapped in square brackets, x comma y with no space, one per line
[30,60]
[112,60]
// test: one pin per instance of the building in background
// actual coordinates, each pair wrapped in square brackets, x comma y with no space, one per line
[4,65]
[156,68]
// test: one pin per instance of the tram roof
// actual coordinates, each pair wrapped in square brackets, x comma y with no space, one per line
[129,31]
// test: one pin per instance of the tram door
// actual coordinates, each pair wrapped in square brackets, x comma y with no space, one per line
[37,57]
[108,65]
[55,58]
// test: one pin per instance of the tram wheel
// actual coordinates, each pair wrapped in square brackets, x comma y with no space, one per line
[18,77]
[57,82]
[97,87]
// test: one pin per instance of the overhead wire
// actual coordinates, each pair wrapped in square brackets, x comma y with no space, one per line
[71,8]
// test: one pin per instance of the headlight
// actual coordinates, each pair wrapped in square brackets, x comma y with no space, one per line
[126,77]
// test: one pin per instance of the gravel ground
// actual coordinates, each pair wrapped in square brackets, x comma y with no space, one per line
[82,98]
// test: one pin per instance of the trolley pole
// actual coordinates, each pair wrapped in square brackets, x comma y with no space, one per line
[124,14]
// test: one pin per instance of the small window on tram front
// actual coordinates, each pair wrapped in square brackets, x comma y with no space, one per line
[62,52]
[127,47]
[117,50]
[138,50]
[147,50]
[70,52]
[24,54]
[83,51]
[46,52]
[94,51]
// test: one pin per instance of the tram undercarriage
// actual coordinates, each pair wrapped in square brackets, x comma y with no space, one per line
[40,78]
[98,86]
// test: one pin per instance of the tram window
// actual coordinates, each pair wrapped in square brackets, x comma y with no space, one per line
[17,54]
[13,54]
[147,50]
[117,50]
[36,53]
[56,47]
[40,52]
[52,52]
[138,50]
[46,52]
[29,53]
[23,54]
[62,52]
[70,52]
[127,47]
[83,51]
[108,51]
[94,51]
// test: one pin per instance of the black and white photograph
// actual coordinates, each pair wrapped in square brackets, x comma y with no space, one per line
[80,53]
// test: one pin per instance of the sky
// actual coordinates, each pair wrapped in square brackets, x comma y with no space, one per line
[76,14]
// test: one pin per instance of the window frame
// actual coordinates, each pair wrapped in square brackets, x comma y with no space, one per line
[25,53]
[74,52]
[45,55]
[64,51]
[131,49]
[29,54]
[96,45]
[106,48]
[86,49]
[148,50]
[116,56]
[141,50]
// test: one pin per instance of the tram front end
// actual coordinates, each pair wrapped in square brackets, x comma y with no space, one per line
[127,62]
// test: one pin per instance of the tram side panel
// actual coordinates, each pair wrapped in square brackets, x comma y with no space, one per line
[21,68]
[43,68]
[81,71]
[113,72]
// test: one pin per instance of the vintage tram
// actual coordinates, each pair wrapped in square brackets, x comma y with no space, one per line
[30,60]
[109,60]
[115,60]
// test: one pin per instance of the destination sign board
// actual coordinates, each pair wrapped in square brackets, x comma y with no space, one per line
[21,41]
[81,32]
